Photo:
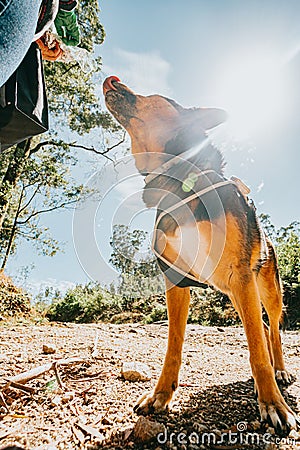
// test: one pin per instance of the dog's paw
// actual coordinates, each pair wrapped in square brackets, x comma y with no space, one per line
[283,377]
[152,403]
[278,415]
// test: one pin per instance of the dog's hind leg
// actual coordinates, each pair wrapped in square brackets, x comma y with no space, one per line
[269,287]
[272,406]
[178,300]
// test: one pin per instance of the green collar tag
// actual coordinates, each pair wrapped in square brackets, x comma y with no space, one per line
[189,183]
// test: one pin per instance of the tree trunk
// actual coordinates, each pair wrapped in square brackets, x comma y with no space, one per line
[12,233]
[12,176]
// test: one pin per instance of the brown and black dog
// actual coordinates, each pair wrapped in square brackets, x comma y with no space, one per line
[218,241]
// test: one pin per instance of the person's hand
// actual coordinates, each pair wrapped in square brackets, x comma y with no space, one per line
[50,54]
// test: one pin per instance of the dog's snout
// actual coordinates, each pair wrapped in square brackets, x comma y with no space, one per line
[108,84]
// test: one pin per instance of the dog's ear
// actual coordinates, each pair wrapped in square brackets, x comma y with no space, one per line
[209,117]
[193,126]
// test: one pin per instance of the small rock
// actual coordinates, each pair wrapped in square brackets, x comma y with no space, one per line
[136,371]
[56,400]
[200,427]
[255,425]
[294,435]
[271,446]
[68,396]
[217,432]
[127,433]
[49,349]
[145,429]
[224,425]
[106,421]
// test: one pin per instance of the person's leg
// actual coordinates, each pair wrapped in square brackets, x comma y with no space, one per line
[17,29]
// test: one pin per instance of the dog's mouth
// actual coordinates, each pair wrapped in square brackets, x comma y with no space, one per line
[120,100]
[110,84]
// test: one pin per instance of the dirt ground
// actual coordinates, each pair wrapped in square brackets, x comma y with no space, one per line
[214,406]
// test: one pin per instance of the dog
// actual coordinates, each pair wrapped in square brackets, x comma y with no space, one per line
[206,233]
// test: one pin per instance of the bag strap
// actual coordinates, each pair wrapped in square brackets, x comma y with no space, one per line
[3,96]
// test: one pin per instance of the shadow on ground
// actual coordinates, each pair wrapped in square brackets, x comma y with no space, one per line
[220,417]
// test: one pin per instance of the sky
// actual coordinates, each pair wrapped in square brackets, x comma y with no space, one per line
[242,56]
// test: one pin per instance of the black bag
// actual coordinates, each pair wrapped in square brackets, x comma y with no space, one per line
[23,101]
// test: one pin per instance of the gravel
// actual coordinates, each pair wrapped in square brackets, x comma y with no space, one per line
[90,405]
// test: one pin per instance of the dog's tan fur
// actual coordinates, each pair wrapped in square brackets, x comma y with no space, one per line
[151,123]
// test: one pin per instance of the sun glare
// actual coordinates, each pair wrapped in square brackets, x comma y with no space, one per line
[254,92]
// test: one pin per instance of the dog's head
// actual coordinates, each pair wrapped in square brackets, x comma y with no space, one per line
[157,124]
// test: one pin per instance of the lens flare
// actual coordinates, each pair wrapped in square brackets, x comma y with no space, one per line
[254,91]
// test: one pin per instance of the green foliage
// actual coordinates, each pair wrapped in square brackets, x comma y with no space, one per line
[73,100]
[45,184]
[139,273]
[13,300]
[211,307]
[287,245]
[72,92]
[89,303]
[35,176]
[92,31]
[138,295]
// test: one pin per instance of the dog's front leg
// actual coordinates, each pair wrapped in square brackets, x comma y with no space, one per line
[178,300]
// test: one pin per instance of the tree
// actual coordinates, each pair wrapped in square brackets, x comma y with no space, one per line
[45,185]
[287,245]
[73,104]
[140,275]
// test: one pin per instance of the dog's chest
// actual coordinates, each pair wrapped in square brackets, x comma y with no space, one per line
[196,249]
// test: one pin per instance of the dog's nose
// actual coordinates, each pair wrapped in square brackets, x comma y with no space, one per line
[108,84]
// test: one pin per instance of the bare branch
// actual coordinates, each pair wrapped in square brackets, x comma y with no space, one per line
[104,152]
[43,144]
[53,208]
[71,144]
[92,149]
[70,68]
[30,200]
[119,143]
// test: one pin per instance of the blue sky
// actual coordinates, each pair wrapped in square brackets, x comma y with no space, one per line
[242,56]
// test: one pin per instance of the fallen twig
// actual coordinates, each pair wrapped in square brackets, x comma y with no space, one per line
[189,385]
[92,377]
[95,349]
[21,387]
[24,377]
[78,434]
[90,430]
[2,400]
[9,432]
[58,378]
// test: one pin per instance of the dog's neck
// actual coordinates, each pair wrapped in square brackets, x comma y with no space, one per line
[170,176]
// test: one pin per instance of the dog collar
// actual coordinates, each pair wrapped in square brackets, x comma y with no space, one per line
[175,159]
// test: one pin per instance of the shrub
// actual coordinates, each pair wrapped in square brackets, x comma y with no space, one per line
[89,303]
[14,301]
